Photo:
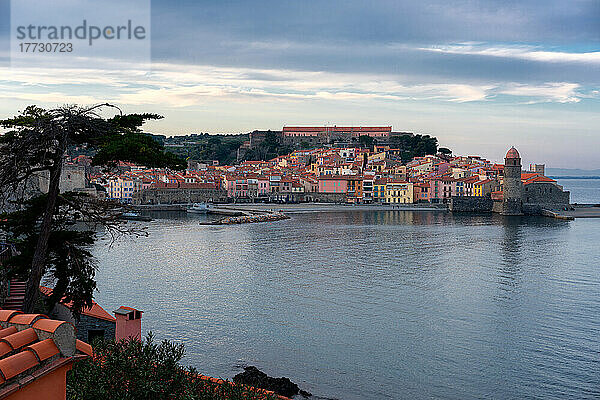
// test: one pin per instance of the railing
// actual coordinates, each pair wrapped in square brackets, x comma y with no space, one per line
[6,251]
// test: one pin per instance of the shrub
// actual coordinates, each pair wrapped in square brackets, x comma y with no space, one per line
[132,370]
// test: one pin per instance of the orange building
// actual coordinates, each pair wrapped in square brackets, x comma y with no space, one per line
[355,188]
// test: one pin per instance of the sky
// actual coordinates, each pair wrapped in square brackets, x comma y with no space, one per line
[481,76]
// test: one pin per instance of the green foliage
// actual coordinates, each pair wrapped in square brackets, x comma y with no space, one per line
[137,147]
[445,150]
[140,370]
[268,149]
[415,145]
[366,141]
[304,145]
[69,264]
[207,147]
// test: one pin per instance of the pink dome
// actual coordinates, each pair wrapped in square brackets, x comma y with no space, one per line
[513,153]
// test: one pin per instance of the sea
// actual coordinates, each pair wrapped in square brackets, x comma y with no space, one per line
[375,304]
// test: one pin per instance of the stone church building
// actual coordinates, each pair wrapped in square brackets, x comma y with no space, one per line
[527,192]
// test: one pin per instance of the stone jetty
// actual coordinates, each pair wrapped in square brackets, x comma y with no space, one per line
[247,219]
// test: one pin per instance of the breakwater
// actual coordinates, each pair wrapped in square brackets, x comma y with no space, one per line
[248,219]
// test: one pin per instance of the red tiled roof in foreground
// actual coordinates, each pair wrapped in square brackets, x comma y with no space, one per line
[32,346]
[94,311]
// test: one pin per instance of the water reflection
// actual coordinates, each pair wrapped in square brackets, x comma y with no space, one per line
[510,267]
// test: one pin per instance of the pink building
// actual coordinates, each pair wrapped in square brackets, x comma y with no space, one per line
[129,323]
[264,188]
[235,186]
[442,189]
[333,184]
[229,185]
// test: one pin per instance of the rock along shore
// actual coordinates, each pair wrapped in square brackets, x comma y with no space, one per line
[252,376]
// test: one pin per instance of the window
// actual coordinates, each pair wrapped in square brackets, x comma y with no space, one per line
[95,333]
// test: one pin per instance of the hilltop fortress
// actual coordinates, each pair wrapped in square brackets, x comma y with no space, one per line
[323,135]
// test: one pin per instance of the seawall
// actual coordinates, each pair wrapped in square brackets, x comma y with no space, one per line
[473,204]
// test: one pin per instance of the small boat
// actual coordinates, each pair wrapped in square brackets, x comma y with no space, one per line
[199,208]
[132,216]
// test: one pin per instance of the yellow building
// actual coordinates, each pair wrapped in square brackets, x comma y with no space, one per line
[379,190]
[484,187]
[399,192]
[377,157]
[122,188]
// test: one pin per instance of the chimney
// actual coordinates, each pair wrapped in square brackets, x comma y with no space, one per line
[129,323]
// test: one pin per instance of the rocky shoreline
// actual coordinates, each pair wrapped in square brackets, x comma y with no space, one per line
[252,376]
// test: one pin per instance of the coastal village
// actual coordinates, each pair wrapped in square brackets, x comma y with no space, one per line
[337,170]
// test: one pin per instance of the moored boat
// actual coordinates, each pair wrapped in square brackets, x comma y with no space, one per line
[133,216]
[199,208]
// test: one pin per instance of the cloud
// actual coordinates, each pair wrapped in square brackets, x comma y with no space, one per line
[560,92]
[50,98]
[184,85]
[519,52]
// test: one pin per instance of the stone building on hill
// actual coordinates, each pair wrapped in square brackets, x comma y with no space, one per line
[323,135]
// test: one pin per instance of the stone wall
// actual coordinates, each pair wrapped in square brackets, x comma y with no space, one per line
[512,206]
[512,186]
[498,206]
[178,196]
[470,204]
[85,323]
[545,194]
[325,197]
[532,209]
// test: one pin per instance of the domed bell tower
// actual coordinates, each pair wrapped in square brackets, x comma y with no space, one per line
[512,186]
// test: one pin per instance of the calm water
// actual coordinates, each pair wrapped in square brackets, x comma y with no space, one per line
[375,304]
[583,191]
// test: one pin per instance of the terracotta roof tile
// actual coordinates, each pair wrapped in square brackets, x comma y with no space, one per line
[5,315]
[5,349]
[84,348]
[48,325]
[20,339]
[26,319]
[20,362]
[31,346]
[44,349]
[94,311]
[8,331]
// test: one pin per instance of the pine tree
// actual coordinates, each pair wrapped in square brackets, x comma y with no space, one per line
[36,142]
